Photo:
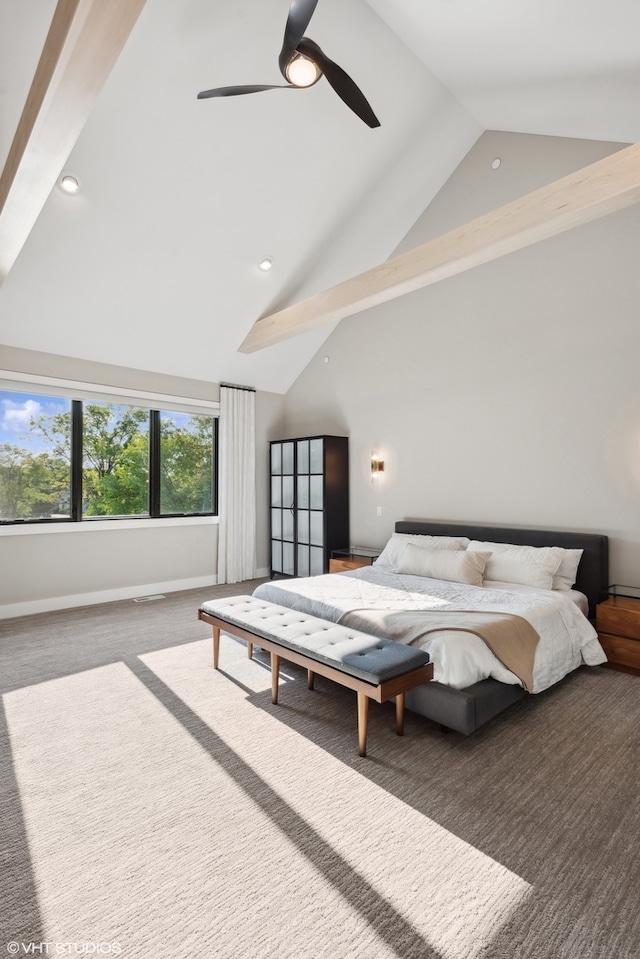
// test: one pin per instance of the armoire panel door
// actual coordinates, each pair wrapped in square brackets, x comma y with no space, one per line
[309,503]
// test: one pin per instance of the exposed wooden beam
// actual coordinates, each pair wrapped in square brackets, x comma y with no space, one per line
[601,188]
[84,41]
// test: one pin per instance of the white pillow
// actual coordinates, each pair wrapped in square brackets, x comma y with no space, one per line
[527,565]
[391,555]
[567,572]
[453,565]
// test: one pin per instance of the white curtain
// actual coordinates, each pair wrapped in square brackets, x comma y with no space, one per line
[237,485]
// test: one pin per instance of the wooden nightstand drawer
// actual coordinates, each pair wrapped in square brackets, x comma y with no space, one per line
[619,616]
[351,562]
[620,650]
[618,625]
[353,557]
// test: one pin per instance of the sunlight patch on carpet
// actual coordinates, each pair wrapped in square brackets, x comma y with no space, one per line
[173,810]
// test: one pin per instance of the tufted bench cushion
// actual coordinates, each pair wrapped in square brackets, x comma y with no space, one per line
[367,657]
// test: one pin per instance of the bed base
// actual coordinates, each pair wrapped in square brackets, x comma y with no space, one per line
[463,710]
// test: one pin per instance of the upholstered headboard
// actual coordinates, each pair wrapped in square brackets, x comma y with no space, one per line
[593,572]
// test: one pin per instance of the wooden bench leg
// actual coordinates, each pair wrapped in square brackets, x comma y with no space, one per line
[311,676]
[363,715]
[400,714]
[275,676]
[216,646]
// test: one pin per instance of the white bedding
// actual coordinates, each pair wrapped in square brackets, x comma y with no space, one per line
[567,638]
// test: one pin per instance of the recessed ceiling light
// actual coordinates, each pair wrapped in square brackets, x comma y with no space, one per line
[69,183]
[496,163]
[265,264]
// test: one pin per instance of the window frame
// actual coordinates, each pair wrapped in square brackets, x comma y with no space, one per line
[155,403]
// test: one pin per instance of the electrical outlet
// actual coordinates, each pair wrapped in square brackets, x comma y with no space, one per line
[379,511]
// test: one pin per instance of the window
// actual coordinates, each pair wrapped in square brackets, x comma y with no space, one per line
[187,447]
[72,460]
[35,457]
[115,460]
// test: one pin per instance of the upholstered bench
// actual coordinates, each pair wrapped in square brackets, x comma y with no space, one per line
[375,668]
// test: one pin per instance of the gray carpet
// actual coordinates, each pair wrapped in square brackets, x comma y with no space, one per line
[154,808]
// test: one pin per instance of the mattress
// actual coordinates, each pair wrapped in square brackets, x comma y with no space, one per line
[567,638]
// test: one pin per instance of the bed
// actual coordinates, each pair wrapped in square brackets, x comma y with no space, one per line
[493,641]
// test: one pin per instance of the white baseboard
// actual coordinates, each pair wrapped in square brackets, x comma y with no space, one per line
[52,603]
[103,596]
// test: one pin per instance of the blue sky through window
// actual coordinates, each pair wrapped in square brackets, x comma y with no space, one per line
[16,411]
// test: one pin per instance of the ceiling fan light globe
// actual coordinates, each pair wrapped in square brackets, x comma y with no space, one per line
[302,71]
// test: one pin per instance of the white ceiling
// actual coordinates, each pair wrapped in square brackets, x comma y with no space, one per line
[553,67]
[153,266]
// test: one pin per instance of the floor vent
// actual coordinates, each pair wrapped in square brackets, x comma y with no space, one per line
[148,599]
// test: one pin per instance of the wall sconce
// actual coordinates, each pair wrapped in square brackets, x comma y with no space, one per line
[377,465]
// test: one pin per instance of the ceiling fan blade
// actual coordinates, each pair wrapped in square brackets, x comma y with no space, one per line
[341,82]
[240,91]
[300,13]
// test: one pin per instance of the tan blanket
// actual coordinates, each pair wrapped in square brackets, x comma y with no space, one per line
[510,638]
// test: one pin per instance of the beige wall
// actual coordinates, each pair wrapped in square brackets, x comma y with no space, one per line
[89,563]
[55,570]
[508,394]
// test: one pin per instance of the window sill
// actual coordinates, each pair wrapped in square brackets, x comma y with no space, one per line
[90,526]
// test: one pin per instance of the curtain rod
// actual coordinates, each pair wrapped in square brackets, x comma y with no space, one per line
[233,386]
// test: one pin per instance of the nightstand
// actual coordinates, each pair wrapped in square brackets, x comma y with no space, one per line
[618,625]
[352,558]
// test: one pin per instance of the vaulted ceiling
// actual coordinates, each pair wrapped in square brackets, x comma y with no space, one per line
[154,264]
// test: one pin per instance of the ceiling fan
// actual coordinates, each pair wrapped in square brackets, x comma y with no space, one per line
[302,63]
